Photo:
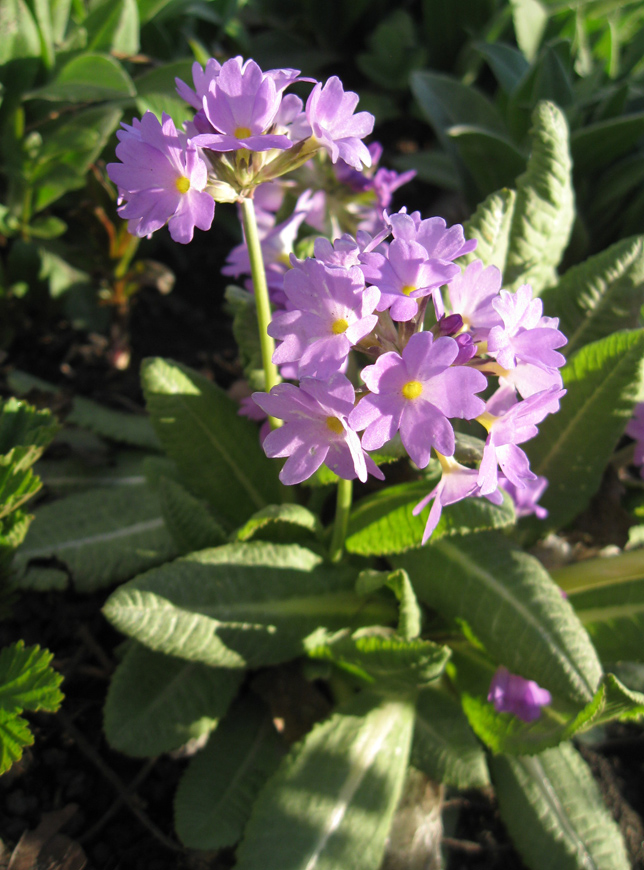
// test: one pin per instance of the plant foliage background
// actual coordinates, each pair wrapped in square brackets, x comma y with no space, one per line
[524,121]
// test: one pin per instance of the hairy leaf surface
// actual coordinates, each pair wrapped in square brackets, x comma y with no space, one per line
[544,209]
[216,450]
[240,605]
[444,745]
[512,606]
[102,536]
[157,703]
[331,802]
[604,382]
[554,812]
[600,296]
[216,793]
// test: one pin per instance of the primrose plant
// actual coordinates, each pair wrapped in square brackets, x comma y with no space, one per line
[310,653]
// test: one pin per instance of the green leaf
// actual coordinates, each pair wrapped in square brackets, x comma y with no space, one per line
[240,605]
[188,519]
[529,19]
[17,485]
[444,745]
[82,472]
[113,25]
[385,663]
[595,146]
[102,536]
[490,225]
[20,35]
[554,812]
[280,522]
[434,167]
[492,159]
[509,602]
[157,703]
[332,800]
[216,793]
[132,429]
[27,682]
[42,12]
[410,617]
[603,380]
[508,65]
[156,90]
[446,102]
[503,732]
[90,77]
[70,146]
[216,450]
[599,296]
[383,523]
[21,425]
[544,208]
[614,618]
[394,51]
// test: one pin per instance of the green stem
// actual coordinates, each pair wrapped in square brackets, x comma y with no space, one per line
[343,506]
[262,301]
[604,571]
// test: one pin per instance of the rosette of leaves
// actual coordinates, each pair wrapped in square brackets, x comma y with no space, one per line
[589,65]
[27,680]
[309,687]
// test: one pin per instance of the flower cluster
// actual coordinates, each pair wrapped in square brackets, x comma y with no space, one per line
[428,365]
[246,131]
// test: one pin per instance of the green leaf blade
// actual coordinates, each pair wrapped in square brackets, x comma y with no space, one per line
[600,296]
[216,450]
[544,210]
[513,608]
[216,794]
[554,812]
[157,703]
[239,605]
[331,802]
[604,383]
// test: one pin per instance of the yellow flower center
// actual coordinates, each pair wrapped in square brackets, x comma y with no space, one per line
[183,184]
[408,289]
[335,425]
[339,326]
[412,389]
[242,132]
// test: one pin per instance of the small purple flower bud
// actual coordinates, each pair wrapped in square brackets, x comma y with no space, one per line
[511,693]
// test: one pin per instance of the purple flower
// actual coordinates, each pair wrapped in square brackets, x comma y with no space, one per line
[440,242]
[202,79]
[316,430]
[241,104]
[330,113]
[511,693]
[456,483]
[526,336]
[525,500]
[510,423]
[471,295]
[331,310]
[416,393]
[161,178]
[405,275]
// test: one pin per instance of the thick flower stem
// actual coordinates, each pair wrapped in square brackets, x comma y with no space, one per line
[343,506]
[262,301]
